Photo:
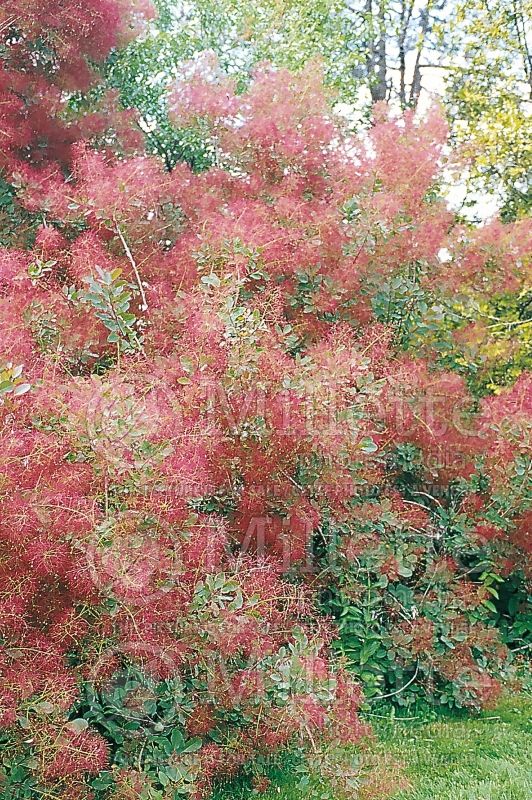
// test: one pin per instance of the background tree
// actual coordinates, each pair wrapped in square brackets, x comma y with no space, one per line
[489,94]
[473,54]
[372,51]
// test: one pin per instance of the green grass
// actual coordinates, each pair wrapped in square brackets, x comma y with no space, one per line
[488,757]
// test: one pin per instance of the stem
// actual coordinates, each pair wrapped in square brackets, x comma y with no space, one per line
[398,691]
[129,254]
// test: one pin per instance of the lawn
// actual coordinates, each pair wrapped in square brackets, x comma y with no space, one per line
[488,757]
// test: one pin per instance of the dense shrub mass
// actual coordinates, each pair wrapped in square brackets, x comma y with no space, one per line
[224,411]
[49,49]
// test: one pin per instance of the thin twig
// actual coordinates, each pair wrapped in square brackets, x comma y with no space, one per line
[7,24]
[398,691]
[129,254]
